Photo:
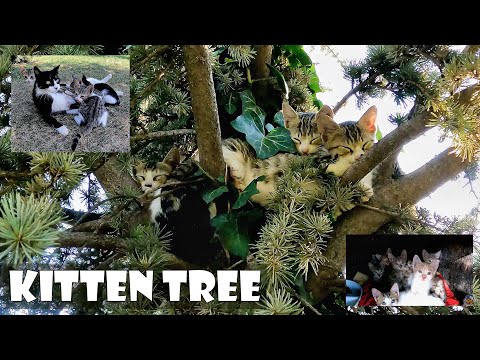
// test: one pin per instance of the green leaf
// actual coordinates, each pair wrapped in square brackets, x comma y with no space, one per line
[277,140]
[232,229]
[247,193]
[317,102]
[269,127]
[280,80]
[232,100]
[298,52]
[314,83]
[220,179]
[378,135]
[211,195]
[278,119]
[248,100]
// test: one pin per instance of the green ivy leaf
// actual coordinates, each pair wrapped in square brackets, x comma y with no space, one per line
[378,135]
[211,195]
[269,127]
[278,119]
[317,102]
[232,229]
[298,52]
[277,140]
[248,192]
[314,83]
[280,80]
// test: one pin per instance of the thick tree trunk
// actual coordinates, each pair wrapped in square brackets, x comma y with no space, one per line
[204,107]
[113,177]
[261,71]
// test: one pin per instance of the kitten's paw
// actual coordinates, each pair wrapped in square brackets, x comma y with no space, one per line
[63,130]
[78,119]
[119,93]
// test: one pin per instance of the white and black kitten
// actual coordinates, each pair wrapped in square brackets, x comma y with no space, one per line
[48,98]
[110,96]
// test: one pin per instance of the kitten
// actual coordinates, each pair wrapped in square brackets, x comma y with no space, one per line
[110,96]
[377,268]
[92,111]
[388,299]
[419,293]
[345,142]
[49,100]
[303,128]
[402,271]
[29,75]
[438,288]
[182,212]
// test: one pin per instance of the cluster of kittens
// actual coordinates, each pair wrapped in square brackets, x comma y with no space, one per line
[86,98]
[314,134]
[421,284]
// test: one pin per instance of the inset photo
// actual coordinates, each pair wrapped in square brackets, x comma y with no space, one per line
[71,103]
[409,270]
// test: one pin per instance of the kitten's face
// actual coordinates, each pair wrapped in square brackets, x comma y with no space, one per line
[377,270]
[387,299]
[29,75]
[423,271]
[151,178]
[349,140]
[399,262]
[48,81]
[81,92]
[303,129]
[429,257]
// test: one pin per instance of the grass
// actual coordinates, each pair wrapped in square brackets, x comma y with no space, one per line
[31,133]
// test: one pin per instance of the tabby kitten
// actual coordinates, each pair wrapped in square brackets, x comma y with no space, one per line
[29,75]
[402,271]
[345,143]
[92,111]
[429,257]
[388,299]
[182,212]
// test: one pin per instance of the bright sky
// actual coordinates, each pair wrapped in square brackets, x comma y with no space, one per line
[453,198]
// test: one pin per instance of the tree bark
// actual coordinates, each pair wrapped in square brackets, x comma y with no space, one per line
[204,107]
[261,71]
[113,177]
[161,134]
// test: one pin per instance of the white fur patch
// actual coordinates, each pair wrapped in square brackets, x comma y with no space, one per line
[79,119]
[156,206]
[61,102]
[109,99]
[63,130]
[119,93]
[72,112]
[102,120]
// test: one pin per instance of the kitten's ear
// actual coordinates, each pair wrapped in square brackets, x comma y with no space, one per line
[378,256]
[36,71]
[138,166]
[290,116]
[55,69]
[434,265]
[90,88]
[173,157]
[391,257]
[403,255]
[376,294]
[324,120]
[395,290]
[368,120]
[23,71]
[371,267]
[425,254]
[389,251]
[438,254]
[416,261]
[84,80]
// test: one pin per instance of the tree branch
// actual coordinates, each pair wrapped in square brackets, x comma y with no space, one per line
[15,174]
[260,70]
[110,242]
[354,90]
[162,134]
[204,107]
[158,51]
[113,176]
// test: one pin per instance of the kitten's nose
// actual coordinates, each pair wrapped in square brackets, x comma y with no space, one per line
[305,151]
[358,156]
[424,276]
[147,185]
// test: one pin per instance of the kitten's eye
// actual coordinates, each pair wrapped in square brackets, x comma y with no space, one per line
[141,177]
[48,82]
[384,303]
[429,273]
[420,271]
[393,301]
[297,140]
[367,145]
[316,141]
[344,150]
